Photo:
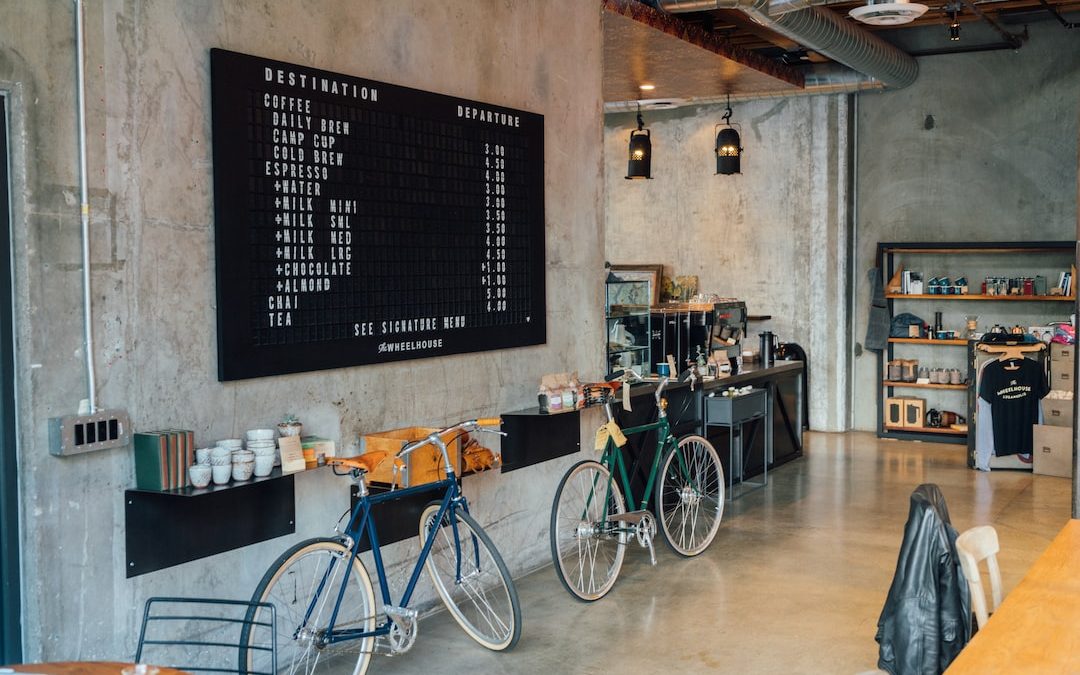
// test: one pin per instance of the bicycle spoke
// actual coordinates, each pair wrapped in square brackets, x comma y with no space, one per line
[586,548]
[690,497]
[471,580]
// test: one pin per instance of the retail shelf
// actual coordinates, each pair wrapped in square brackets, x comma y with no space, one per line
[1005,298]
[927,430]
[925,341]
[1052,247]
[916,385]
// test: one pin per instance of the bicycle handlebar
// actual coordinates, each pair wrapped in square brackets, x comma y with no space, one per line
[436,438]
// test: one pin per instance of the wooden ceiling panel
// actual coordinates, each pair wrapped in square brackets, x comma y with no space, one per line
[643,45]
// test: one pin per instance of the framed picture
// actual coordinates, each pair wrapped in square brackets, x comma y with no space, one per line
[650,273]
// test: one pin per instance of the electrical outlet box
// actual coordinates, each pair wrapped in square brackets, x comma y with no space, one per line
[76,434]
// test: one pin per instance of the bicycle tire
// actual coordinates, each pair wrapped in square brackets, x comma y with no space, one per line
[690,495]
[578,542]
[288,584]
[484,600]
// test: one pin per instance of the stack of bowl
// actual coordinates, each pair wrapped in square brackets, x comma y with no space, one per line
[243,464]
[221,464]
[201,471]
[261,443]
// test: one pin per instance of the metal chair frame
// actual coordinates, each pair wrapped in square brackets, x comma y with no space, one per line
[248,619]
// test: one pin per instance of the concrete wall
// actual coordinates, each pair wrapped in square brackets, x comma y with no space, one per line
[998,163]
[774,235]
[153,285]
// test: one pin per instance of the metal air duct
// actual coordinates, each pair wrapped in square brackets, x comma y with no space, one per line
[824,32]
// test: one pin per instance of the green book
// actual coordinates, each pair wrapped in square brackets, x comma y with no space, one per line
[151,461]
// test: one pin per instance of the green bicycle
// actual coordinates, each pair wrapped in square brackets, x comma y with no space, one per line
[590,526]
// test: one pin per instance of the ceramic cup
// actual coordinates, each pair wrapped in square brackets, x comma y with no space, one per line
[242,456]
[260,434]
[242,470]
[290,429]
[202,455]
[264,464]
[221,473]
[231,443]
[220,455]
[200,474]
[265,451]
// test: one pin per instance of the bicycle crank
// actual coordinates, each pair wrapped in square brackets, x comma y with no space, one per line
[403,627]
[644,528]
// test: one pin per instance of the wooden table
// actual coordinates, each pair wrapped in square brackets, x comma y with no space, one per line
[1037,627]
[83,668]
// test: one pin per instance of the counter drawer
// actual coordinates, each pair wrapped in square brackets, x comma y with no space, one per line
[722,410]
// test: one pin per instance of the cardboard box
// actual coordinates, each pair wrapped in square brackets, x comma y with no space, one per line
[894,412]
[1052,450]
[1061,375]
[424,465]
[1060,352]
[914,412]
[1057,412]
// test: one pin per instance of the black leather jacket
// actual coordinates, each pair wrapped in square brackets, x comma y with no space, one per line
[926,620]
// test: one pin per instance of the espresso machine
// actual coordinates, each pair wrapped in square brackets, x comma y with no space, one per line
[685,330]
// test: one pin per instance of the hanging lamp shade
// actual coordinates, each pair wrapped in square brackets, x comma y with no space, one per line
[640,163]
[728,151]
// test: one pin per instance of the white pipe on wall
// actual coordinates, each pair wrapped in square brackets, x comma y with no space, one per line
[84,208]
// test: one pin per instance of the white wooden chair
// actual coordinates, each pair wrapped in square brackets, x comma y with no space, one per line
[975,545]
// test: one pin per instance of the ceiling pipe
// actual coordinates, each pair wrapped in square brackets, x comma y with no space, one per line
[778,7]
[822,31]
[90,403]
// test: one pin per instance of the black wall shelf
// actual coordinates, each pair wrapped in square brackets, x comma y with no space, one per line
[168,528]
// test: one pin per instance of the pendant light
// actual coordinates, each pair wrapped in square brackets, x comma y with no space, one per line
[954,25]
[640,162]
[728,145]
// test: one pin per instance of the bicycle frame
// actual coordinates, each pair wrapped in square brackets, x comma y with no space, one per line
[360,523]
[612,458]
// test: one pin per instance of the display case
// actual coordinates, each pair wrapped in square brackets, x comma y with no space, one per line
[626,310]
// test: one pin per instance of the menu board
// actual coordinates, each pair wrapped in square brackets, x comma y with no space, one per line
[360,222]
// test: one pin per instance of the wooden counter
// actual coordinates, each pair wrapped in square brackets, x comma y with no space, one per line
[1037,627]
[85,668]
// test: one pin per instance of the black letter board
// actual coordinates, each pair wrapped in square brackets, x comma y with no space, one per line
[361,222]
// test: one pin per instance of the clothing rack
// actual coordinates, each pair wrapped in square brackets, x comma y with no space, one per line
[1012,351]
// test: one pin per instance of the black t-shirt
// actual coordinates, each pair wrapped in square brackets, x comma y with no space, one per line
[1014,397]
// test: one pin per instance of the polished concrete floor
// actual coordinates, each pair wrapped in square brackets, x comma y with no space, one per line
[793,583]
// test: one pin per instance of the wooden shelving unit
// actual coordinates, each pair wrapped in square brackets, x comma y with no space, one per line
[1043,257]
[925,341]
[998,298]
[916,385]
[927,430]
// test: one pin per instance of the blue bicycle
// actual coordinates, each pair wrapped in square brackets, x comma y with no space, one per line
[328,618]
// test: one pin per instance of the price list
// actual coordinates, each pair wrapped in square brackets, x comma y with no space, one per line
[359,222]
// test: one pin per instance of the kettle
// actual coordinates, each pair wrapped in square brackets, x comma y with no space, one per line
[767,348]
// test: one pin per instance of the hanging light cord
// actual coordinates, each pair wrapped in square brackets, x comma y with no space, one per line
[640,122]
[727,113]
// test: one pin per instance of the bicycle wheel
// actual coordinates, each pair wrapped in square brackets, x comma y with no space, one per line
[292,584]
[472,578]
[588,549]
[690,496]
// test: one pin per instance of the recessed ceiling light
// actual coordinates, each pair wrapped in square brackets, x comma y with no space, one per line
[647,87]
